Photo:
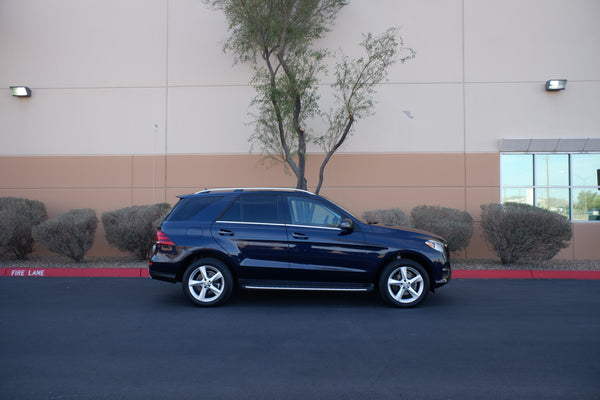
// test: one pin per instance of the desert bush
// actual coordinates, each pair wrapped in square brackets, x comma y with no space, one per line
[70,234]
[520,232]
[17,218]
[133,229]
[453,225]
[392,216]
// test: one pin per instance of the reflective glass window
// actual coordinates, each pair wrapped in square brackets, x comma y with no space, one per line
[568,184]
[586,205]
[586,169]
[516,169]
[517,195]
[552,170]
[553,199]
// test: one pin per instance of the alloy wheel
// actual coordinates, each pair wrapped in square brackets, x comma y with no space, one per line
[405,284]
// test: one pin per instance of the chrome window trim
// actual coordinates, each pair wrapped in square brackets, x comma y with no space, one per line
[314,227]
[279,224]
[250,223]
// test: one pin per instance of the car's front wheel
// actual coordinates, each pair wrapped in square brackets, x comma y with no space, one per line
[404,283]
[207,282]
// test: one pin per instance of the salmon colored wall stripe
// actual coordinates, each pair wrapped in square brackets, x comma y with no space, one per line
[359,182]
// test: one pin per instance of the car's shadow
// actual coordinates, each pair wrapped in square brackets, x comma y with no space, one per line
[303,298]
[268,298]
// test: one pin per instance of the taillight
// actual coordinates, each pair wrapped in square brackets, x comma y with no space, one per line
[162,239]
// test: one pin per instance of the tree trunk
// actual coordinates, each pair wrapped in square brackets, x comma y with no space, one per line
[333,150]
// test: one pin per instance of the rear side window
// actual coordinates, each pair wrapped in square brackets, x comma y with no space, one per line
[254,208]
[189,207]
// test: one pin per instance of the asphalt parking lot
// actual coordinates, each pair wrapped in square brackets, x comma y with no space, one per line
[132,338]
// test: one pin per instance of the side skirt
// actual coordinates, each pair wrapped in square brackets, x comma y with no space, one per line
[305,285]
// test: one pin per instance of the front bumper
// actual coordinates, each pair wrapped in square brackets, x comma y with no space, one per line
[446,276]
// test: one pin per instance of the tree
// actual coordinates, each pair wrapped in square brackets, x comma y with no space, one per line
[276,38]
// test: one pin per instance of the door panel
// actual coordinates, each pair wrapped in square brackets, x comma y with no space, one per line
[319,250]
[252,230]
[261,250]
[326,254]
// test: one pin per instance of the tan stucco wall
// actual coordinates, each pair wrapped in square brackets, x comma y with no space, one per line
[359,182]
[120,77]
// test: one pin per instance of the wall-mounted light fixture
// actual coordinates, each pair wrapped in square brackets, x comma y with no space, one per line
[20,91]
[556,84]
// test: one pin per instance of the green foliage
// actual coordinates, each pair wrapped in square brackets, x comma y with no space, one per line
[520,232]
[392,216]
[70,234]
[277,38]
[453,225]
[587,202]
[17,218]
[259,26]
[133,229]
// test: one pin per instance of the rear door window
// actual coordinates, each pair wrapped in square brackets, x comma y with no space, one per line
[256,208]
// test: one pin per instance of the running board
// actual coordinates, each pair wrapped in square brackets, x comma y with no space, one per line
[303,285]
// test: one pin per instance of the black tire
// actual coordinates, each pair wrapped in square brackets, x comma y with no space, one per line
[207,282]
[404,283]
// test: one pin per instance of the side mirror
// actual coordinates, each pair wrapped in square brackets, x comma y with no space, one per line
[346,225]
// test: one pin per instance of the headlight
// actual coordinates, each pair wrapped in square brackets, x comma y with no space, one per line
[437,246]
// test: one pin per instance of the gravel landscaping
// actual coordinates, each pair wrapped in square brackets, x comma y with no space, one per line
[56,261]
[551,265]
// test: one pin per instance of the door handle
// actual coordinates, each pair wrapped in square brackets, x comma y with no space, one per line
[297,235]
[225,232]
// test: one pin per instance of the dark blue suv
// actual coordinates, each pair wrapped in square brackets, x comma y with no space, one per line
[287,239]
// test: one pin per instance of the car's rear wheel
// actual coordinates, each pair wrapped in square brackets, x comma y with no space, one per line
[404,283]
[207,282]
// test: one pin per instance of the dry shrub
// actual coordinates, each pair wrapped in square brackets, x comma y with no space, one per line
[454,225]
[70,234]
[133,229]
[392,216]
[17,218]
[520,232]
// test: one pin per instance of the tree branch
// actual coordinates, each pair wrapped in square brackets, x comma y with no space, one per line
[300,175]
[279,117]
[333,150]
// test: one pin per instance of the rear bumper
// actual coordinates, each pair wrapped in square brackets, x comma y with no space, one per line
[162,272]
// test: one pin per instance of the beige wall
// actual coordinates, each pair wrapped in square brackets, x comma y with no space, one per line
[359,182]
[149,76]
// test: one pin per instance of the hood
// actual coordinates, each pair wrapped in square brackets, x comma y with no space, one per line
[390,229]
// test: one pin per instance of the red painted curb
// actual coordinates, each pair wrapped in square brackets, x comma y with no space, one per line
[491,274]
[143,273]
[522,274]
[566,274]
[76,272]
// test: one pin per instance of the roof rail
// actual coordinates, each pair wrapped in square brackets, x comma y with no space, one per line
[252,189]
